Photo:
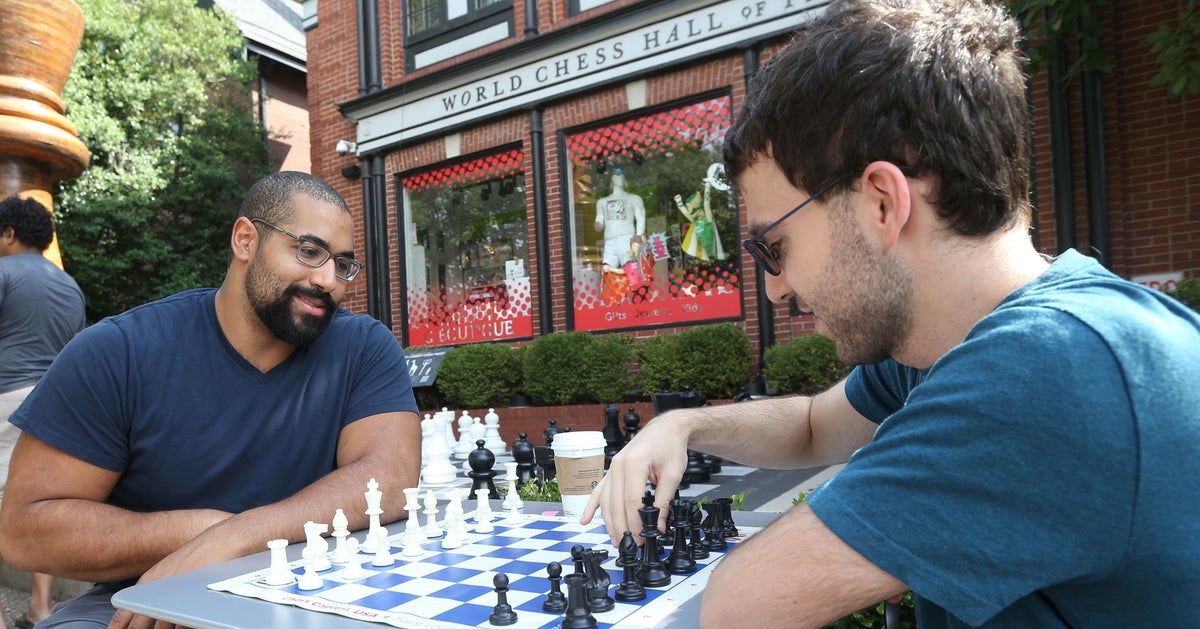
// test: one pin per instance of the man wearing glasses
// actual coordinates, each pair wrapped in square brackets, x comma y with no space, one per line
[191,430]
[1023,433]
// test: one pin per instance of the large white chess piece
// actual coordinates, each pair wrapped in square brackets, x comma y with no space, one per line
[437,468]
[492,440]
[465,444]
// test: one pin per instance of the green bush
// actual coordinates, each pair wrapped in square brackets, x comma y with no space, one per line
[714,359]
[577,367]
[479,375]
[1188,291]
[806,365]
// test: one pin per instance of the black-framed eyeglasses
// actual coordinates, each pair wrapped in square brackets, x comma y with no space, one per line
[767,255]
[314,255]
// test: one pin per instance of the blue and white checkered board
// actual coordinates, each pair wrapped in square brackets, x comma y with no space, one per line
[453,589]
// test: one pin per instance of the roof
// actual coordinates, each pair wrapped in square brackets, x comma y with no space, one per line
[274,28]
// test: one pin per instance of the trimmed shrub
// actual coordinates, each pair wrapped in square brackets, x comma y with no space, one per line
[715,359]
[806,365]
[1188,291]
[479,375]
[577,367]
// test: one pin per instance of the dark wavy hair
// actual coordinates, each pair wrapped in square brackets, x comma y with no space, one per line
[936,87]
[29,220]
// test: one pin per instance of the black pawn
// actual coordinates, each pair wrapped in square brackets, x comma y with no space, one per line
[578,615]
[481,460]
[522,453]
[555,601]
[502,613]
[632,422]
[629,588]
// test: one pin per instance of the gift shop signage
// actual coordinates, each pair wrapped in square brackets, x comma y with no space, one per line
[616,58]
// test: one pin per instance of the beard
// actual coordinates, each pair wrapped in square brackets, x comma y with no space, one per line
[276,314]
[864,297]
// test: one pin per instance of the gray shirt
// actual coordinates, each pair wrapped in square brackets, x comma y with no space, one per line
[41,308]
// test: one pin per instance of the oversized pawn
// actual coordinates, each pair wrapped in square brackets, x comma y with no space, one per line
[522,453]
[481,461]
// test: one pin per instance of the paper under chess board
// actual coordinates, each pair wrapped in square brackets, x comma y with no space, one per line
[452,589]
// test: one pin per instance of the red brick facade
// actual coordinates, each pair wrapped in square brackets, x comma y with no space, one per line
[1151,140]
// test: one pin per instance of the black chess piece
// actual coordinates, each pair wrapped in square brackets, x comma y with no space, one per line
[502,613]
[481,460]
[598,581]
[577,558]
[613,440]
[633,422]
[555,601]
[680,561]
[714,528]
[544,455]
[729,529]
[665,399]
[577,616]
[695,525]
[629,589]
[697,469]
[522,453]
[622,560]
[653,572]
[551,430]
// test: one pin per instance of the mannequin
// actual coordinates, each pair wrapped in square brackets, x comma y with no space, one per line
[621,217]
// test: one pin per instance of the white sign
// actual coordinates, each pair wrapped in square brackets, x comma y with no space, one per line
[608,60]
[1164,282]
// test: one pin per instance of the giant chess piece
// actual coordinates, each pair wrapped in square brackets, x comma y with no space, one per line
[437,470]
[632,422]
[613,440]
[522,453]
[491,423]
[665,399]
[462,449]
[38,145]
[481,461]
[544,455]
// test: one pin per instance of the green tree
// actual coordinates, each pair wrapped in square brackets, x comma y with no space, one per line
[160,92]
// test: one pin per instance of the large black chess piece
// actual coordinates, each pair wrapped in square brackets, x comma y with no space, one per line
[522,453]
[502,613]
[665,399]
[613,440]
[697,469]
[481,460]
[544,455]
[632,423]
[555,601]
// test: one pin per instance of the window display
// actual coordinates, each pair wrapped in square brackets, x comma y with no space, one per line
[467,246]
[653,224]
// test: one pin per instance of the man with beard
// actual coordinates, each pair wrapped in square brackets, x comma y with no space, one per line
[1022,431]
[194,429]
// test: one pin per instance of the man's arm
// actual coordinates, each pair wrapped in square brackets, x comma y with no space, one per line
[793,573]
[782,433]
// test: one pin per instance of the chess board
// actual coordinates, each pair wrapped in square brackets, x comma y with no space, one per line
[453,589]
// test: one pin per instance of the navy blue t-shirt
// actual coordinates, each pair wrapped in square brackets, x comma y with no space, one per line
[1042,473]
[159,394]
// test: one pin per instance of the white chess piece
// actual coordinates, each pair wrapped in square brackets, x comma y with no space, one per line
[515,518]
[445,420]
[478,433]
[318,544]
[465,444]
[436,466]
[279,573]
[374,499]
[513,497]
[432,529]
[341,550]
[354,570]
[412,526]
[383,549]
[310,580]
[427,427]
[492,440]
[452,538]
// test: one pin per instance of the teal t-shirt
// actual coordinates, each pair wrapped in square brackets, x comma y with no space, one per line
[1043,472]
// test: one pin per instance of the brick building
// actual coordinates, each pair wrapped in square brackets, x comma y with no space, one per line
[499,154]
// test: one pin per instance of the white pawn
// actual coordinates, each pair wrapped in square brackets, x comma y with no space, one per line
[465,444]
[478,433]
[432,530]
[383,549]
[341,550]
[492,440]
[452,539]
[279,573]
[310,580]
[483,513]
[318,544]
[354,570]
[412,526]
[460,518]
[514,516]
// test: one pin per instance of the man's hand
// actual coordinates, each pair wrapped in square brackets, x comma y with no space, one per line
[658,453]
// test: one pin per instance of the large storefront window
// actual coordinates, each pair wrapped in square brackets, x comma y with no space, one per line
[467,252]
[654,227]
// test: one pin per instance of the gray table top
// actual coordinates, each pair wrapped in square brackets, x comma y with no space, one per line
[185,599]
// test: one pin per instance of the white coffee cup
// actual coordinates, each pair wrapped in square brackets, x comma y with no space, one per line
[579,465]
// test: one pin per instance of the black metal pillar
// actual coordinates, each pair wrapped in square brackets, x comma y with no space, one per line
[541,219]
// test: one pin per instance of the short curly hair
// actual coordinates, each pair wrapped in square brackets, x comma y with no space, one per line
[29,220]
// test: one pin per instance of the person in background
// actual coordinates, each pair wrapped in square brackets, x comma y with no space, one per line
[41,308]
[1022,432]
[194,429]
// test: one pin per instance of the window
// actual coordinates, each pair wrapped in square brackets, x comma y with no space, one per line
[423,15]
[653,226]
[467,252]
